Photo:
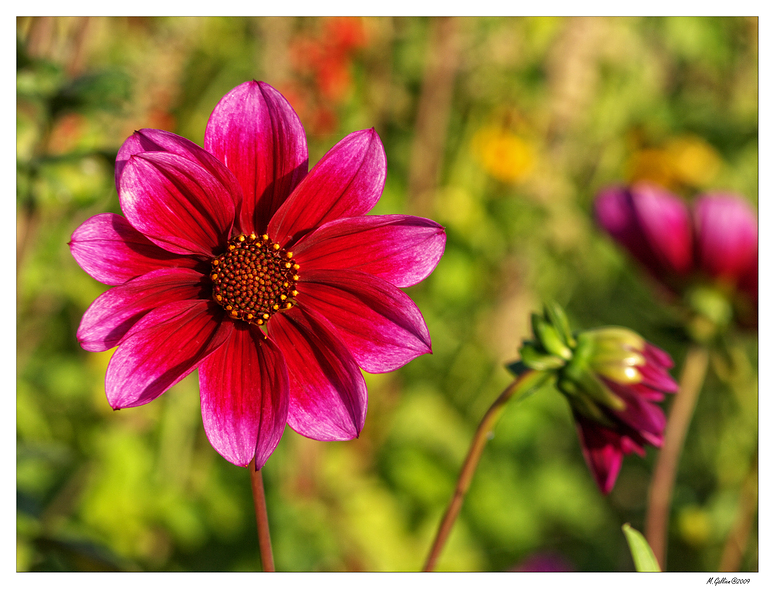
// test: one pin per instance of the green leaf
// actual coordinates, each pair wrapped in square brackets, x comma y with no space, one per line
[518,368]
[642,555]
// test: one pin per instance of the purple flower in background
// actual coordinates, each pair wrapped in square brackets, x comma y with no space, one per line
[544,562]
[708,254]
[270,279]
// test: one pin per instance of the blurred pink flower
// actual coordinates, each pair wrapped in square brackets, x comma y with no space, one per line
[544,562]
[271,280]
[726,237]
[713,244]
[653,224]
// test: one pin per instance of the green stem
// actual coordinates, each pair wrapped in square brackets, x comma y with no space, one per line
[526,384]
[262,521]
[661,491]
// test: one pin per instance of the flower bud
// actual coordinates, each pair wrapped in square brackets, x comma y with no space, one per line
[611,377]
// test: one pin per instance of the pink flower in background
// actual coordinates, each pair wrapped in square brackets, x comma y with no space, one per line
[727,242]
[654,226]
[270,279]
[544,562]
[714,243]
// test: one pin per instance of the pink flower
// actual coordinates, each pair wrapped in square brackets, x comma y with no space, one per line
[270,280]
[544,562]
[714,244]
[653,225]
[612,379]
[637,377]
[726,237]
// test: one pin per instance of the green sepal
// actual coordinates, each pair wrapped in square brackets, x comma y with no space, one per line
[594,387]
[556,316]
[549,338]
[621,356]
[536,360]
[583,404]
[579,371]
[585,346]
[611,338]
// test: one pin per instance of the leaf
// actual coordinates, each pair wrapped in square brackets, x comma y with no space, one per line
[642,555]
[517,368]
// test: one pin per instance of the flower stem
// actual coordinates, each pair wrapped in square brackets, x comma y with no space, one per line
[661,491]
[262,521]
[526,384]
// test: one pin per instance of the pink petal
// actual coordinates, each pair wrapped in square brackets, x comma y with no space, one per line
[379,324]
[401,249]
[727,235]
[665,222]
[602,453]
[347,182]
[652,224]
[161,349]
[657,378]
[176,203]
[327,392]
[114,312]
[647,393]
[628,446]
[657,356]
[146,140]
[256,133]
[110,250]
[244,392]
[645,419]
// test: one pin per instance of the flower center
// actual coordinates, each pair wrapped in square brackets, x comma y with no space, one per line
[254,278]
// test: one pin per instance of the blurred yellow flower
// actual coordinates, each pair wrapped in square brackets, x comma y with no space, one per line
[503,154]
[686,160]
[695,161]
[694,525]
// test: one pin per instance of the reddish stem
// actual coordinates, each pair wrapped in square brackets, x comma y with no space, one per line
[262,521]
[662,481]
[527,383]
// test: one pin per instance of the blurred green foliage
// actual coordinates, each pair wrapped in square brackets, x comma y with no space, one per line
[502,129]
